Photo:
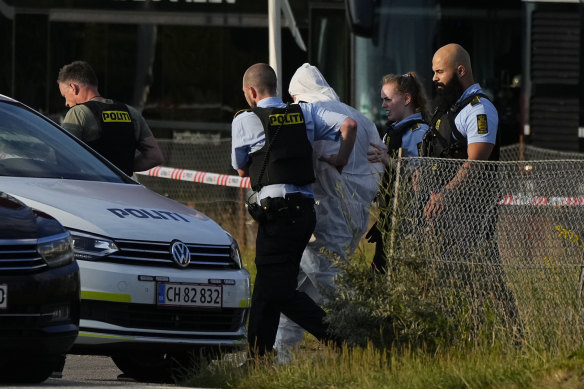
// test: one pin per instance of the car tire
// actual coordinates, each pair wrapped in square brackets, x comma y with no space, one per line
[28,369]
[158,367]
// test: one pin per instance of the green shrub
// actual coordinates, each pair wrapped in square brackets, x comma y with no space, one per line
[398,309]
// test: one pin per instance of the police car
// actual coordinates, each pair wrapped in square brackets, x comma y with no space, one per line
[161,283]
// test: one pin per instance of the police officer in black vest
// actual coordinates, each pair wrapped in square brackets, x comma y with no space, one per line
[113,129]
[464,126]
[272,144]
[404,100]
[464,123]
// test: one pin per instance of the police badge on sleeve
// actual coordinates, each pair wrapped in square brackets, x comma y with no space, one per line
[482,124]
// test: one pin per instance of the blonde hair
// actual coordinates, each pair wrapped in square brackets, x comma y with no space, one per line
[409,83]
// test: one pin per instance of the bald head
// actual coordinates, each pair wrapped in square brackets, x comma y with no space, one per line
[262,78]
[452,60]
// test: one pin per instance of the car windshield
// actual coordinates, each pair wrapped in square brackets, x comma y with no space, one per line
[31,146]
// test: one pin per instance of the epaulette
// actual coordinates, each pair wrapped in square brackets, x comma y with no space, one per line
[241,111]
[475,100]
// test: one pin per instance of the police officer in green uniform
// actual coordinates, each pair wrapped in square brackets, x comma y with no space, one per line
[113,129]
[271,143]
[464,126]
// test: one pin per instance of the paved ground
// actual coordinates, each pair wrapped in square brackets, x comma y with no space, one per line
[92,372]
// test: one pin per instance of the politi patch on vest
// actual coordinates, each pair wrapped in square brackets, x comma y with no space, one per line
[288,119]
[115,116]
[482,124]
[438,124]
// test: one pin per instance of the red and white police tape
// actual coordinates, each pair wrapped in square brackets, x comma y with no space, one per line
[197,176]
[541,200]
[244,182]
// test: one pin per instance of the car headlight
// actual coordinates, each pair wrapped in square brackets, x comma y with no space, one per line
[56,250]
[235,253]
[91,247]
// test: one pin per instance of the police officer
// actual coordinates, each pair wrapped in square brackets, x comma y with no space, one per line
[113,129]
[405,103]
[272,145]
[464,126]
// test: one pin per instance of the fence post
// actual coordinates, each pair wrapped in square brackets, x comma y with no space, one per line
[393,235]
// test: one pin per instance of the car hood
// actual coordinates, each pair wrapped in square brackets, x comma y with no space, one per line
[17,221]
[121,211]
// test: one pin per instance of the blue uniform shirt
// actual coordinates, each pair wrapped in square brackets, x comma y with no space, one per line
[471,122]
[413,137]
[248,136]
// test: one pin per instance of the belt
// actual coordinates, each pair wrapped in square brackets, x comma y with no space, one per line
[291,201]
[286,207]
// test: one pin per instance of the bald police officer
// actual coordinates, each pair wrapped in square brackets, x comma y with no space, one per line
[464,126]
[272,145]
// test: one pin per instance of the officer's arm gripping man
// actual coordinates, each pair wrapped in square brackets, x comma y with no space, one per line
[348,132]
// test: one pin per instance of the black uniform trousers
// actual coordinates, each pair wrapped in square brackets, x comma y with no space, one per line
[279,246]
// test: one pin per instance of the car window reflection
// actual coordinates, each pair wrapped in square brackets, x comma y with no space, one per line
[31,146]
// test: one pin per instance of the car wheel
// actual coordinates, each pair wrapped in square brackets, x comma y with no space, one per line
[28,369]
[158,367]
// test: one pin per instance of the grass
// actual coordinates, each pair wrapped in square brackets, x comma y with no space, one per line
[493,367]
[315,366]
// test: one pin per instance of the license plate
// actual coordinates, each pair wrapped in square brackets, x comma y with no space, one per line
[3,296]
[189,295]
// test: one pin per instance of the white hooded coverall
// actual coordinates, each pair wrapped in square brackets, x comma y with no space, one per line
[342,200]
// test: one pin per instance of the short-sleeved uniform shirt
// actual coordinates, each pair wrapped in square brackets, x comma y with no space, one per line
[82,123]
[248,136]
[477,122]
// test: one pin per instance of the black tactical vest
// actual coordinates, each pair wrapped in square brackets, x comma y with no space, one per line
[286,157]
[393,137]
[117,142]
[439,141]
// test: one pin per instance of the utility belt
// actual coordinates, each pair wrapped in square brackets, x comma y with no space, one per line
[281,208]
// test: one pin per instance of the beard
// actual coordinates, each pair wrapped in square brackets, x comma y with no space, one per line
[447,95]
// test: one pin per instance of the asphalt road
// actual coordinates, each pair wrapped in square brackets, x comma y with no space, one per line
[91,372]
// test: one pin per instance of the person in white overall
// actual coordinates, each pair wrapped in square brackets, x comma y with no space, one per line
[342,199]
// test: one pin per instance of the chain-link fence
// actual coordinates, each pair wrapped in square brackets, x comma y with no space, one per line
[504,241]
[223,204]
[521,152]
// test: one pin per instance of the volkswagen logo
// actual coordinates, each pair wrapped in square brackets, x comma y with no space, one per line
[180,253]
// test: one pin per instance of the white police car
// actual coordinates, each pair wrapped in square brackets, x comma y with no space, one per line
[160,282]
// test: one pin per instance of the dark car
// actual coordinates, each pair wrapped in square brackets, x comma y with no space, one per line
[39,293]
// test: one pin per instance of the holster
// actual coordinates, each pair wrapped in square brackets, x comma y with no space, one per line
[256,212]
